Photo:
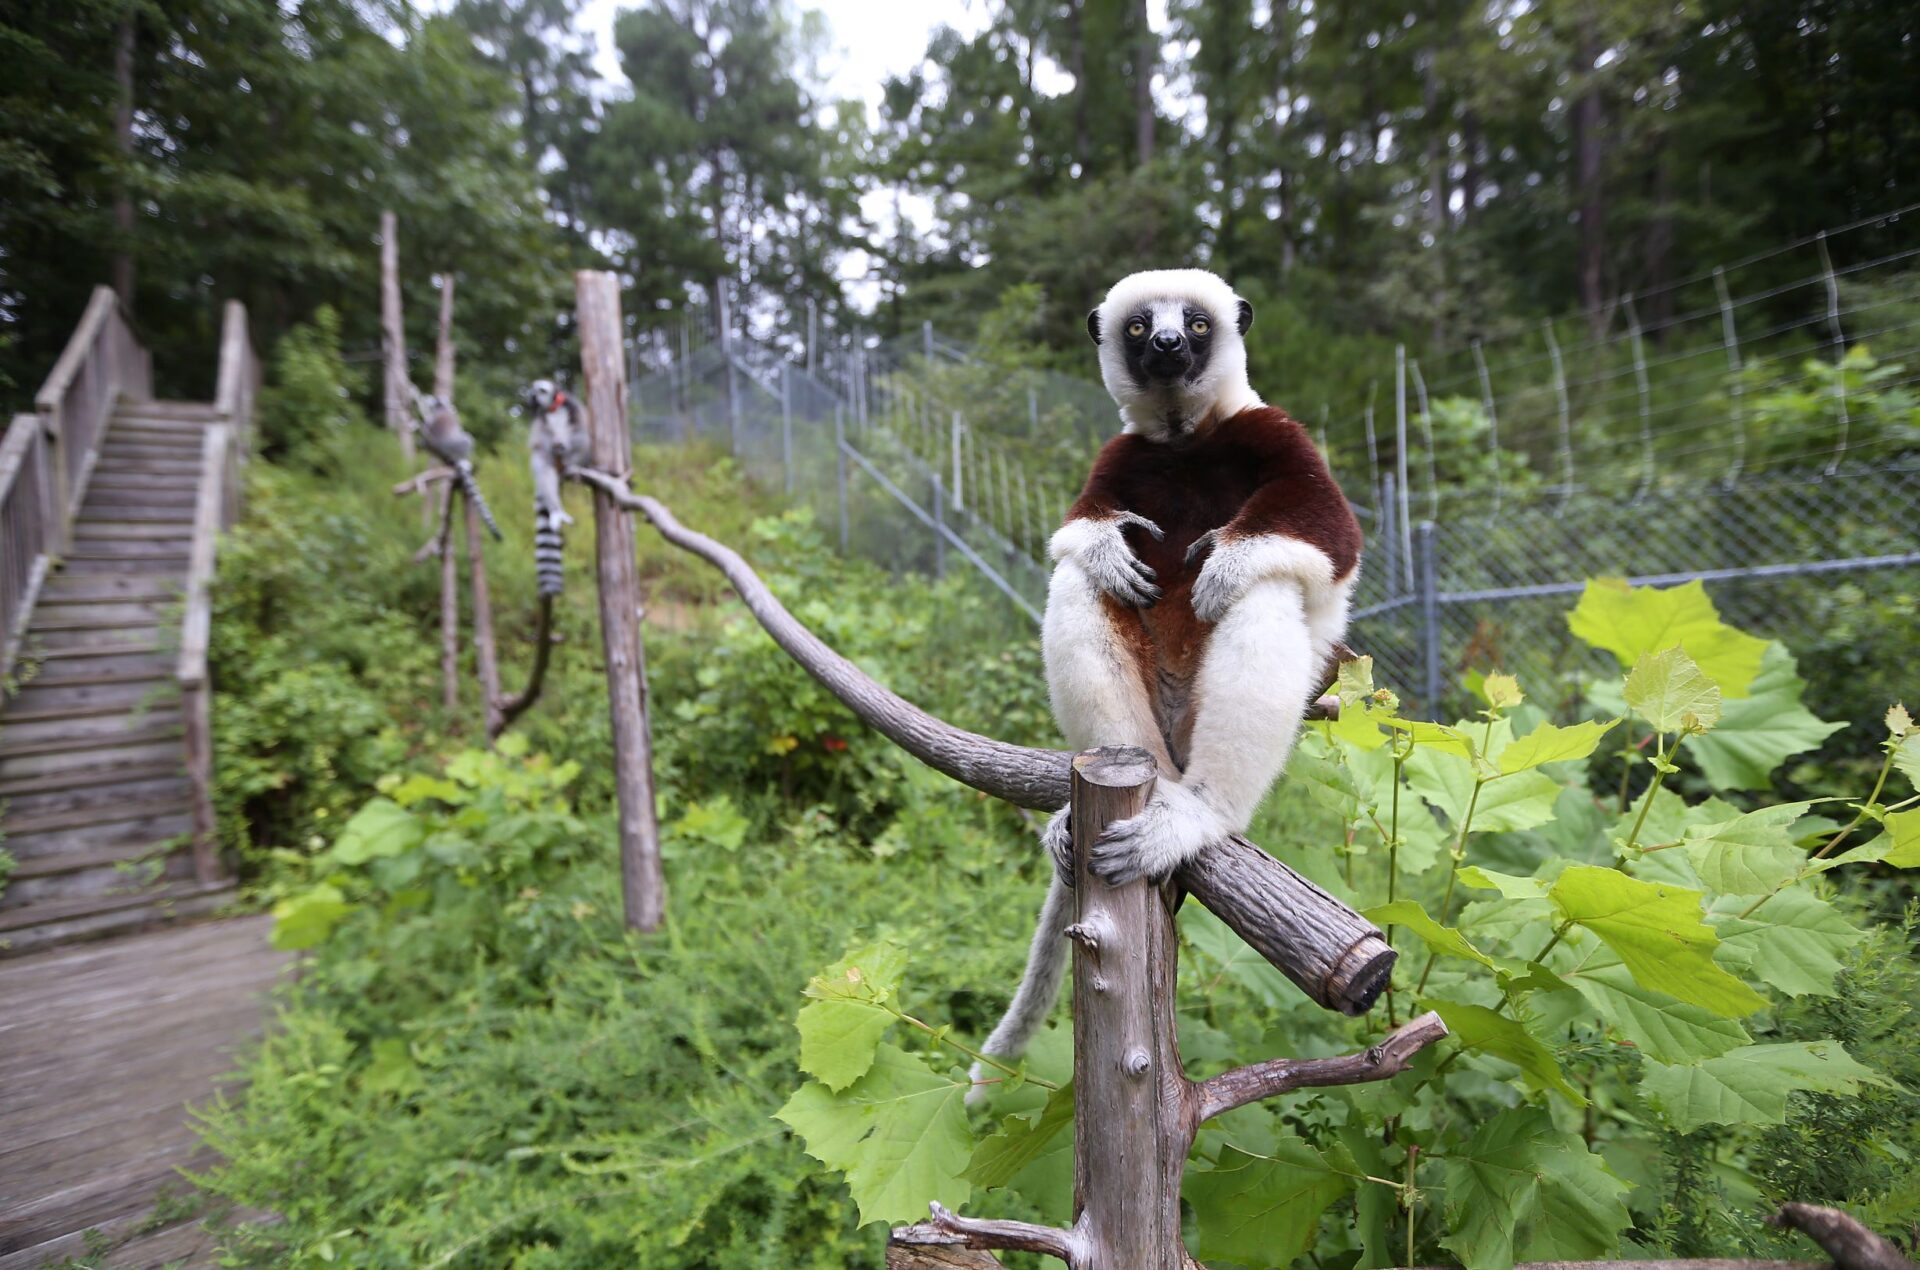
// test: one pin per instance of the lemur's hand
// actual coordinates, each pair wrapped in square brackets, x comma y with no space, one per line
[1057,838]
[1223,579]
[561,519]
[1103,552]
[1175,826]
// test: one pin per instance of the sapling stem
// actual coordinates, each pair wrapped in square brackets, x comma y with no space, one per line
[1859,819]
[1661,763]
[941,1036]
[1459,855]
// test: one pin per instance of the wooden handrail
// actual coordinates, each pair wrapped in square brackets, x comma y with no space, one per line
[103,304]
[197,622]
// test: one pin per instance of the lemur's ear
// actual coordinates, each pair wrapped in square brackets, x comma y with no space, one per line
[1244,318]
[1093,324]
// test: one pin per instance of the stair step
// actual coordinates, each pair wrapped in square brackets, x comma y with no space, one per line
[134,510]
[167,410]
[121,552]
[135,466]
[155,430]
[56,643]
[20,824]
[94,782]
[102,798]
[132,585]
[60,613]
[157,827]
[20,736]
[126,524]
[41,700]
[124,648]
[95,873]
[118,669]
[32,770]
[38,925]
[145,491]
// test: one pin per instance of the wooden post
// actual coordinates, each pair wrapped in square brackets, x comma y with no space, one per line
[1130,1136]
[597,305]
[486,660]
[392,335]
[449,567]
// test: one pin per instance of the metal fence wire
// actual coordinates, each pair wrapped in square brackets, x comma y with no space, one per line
[922,458]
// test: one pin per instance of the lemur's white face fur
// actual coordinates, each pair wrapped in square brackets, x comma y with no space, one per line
[541,394]
[1172,350]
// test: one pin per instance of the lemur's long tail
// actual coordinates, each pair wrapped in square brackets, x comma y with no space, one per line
[1039,986]
[549,552]
[471,488]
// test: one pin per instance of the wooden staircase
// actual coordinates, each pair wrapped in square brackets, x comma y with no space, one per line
[104,802]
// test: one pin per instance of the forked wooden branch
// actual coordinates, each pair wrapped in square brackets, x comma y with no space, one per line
[435,546]
[1842,1237]
[417,483]
[1384,1061]
[1338,958]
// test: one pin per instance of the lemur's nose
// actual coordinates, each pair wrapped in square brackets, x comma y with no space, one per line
[1167,341]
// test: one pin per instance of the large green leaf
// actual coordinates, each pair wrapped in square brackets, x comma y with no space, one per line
[845,1020]
[1670,691]
[1220,954]
[1903,831]
[1521,1189]
[1750,1085]
[1444,940]
[1490,1032]
[1262,1210]
[1023,1139]
[381,828]
[1550,743]
[899,1133]
[1758,734]
[1658,932]
[1446,781]
[1664,1029]
[305,918]
[1751,854]
[1631,622]
[1792,943]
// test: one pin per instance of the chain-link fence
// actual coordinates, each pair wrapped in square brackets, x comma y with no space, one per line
[1801,522]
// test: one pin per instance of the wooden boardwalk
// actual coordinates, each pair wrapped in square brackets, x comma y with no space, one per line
[102,1045]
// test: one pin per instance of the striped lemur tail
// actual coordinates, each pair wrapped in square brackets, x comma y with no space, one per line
[549,552]
[463,473]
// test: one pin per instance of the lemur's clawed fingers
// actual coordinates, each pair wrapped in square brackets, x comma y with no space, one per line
[1175,826]
[1133,518]
[1201,545]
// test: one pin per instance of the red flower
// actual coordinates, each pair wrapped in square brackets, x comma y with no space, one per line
[833,744]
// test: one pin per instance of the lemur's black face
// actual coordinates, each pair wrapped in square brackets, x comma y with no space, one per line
[1166,342]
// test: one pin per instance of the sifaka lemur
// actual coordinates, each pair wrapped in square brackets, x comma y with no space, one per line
[1200,581]
[440,431]
[557,442]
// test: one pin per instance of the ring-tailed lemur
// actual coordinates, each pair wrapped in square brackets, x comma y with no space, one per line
[1200,582]
[440,431]
[556,442]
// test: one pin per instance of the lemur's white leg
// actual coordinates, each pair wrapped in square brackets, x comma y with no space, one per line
[1327,614]
[1250,695]
[1099,698]
[546,490]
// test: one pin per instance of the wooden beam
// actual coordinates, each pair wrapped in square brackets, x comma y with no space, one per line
[603,373]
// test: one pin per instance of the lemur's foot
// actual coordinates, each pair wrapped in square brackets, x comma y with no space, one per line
[1113,567]
[1201,546]
[1057,838]
[561,520]
[1222,580]
[1175,827]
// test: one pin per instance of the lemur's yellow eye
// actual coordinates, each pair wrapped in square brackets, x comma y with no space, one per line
[1136,328]
[1199,326]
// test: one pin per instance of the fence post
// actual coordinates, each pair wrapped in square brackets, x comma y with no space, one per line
[939,529]
[959,426]
[1645,397]
[1566,415]
[1730,338]
[643,887]
[840,470]
[1400,456]
[733,381]
[1839,356]
[786,423]
[1429,620]
[1390,537]
[1493,421]
[393,337]
[926,338]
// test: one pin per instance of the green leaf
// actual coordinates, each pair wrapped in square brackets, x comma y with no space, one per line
[1549,743]
[1750,1085]
[1491,1032]
[1664,1029]
[1223,953]
[842,1025]
[1446,781]
[419,787]
[305,919]
[381,828]
[1792,942]
[899,1133]
[1513,888]
[1434,736]
[1906,758]
[1262,1210]
[1903,828]
[1501,691]
[1748,855]
[1444,940]
[1022,1140]
[1657,931]
[1520,1189]
[1758,734]
[1631,622]
[1670,691]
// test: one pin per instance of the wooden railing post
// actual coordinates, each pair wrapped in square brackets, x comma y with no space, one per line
[603,373]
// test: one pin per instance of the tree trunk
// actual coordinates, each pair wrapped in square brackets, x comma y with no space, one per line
[1659,248]
[1146,57]
[393,335]
[1283,120]
[603,376]
[123,139]
[1077,63]
[449,567]
[1589,144]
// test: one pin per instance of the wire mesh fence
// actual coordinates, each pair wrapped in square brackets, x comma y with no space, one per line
[1779,463]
